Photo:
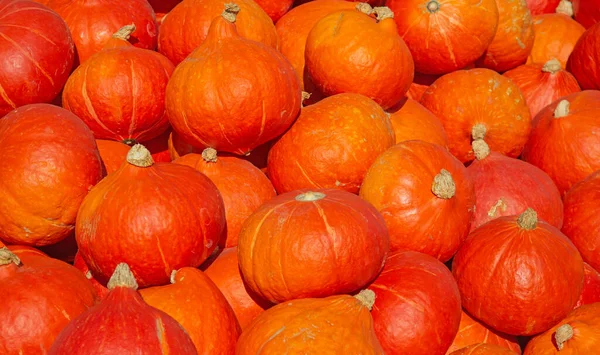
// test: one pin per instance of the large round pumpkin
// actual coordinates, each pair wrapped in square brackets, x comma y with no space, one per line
[156,217]
[555,37]
[417,305]
[471,331]
[479,103]
[586,12]
[564,142]
[445,35]
[412,121]
[424,195]
[38,73]
[243,186]
[312,244]
[222,95]
[49,163]
[591,286]
[585,59]
[520,254]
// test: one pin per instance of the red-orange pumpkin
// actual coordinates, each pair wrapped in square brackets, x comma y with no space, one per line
[591,287]
[445,35]
[243,186]
[38,73]
[586,12]
[169,216]
[312,244]
[331,145]
[217,96]
[417,305]
[471,332]
[564,142]
[585,59]
[113,154]
[412,121]
[520,254]
[538,7]
[424,195]
[49,163]
[80,264]
[479,103]
[484,349]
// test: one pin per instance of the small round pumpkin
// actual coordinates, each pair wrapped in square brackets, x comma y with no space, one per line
[312,244]
[112,153]
[484,349]
[424,195]
[520,254]
[585,59]
[412,121]
[471,332]
[586,12]
[591,287]
[538,7]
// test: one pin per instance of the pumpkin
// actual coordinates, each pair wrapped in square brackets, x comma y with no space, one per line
[555,37]
[486,105]
[243,186]
[122,323]
[520,254]
[563,142]
[338,324]
[417,305]
[342,57]
[113,154]
[332,143]
[224,271]
[591,287]
[80,264]
[275,8]
[471,332]
[585,59]
[445,35]
[107,16]
[119,92]
[42,296]
[45,173]
[412,121]
[188,24]
[538,7]
[541,84]
[196,303]
[38,73]
[242,68]
[575,334]
[424,195]
[586,12]
[169,216]
[484,349]
[162,7]
[420,83]
[317,243]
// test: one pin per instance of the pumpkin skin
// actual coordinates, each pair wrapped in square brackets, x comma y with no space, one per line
[542,84]
[79,263]
[46,173]
[342,57]
[487,105]
[215,71]
[38,73]
[243,187]
[521,253]
[471,332]
[417,305]
[587,12]
[196,303]
[412,121]
[275,8]
[507,186]
[585,59]
[112,153]
[484,349]
[187,26]
[351,234]
[551,146]
[122,323]
[424,195]
[338,324]
[333,143]
[538,7]
[429,28]
[591,287]
[107,16]
[578,334]
[170,216]
[555,37]
[33,315]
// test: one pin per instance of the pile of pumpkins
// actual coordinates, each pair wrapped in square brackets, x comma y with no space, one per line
[318,177]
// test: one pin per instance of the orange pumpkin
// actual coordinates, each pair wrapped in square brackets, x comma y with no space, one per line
[471,332]
[479,103]
[484,349]
[275,8]
[591,286]
[332,143]
[213,100]
[332,325]
[412,121]
[306,244]
[112,153]
[424,195]
[585,59]
[445,35]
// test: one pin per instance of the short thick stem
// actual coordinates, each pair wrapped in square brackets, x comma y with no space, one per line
[565,7]
[365,8]
[480,149]
[8,257]
[443,185]
[433,6]
[478,131]
[562,109]
[310,196]
[124,32]
[122,277]
[563,334]
[209,155]
[552,66]
[528,220]
[139,156]
[383,13]
[367,298]
[230,13]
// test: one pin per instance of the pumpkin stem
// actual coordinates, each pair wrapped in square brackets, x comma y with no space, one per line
[122,277]
[443,185]
[124,32]
[230,12]
[310,196]
[173,274]
[562,335]
[130,142]
[365,8]
[480,148]
[478,131]
[433,6]
[383,12]
[209,155]
[305,96]
[528,220]
[552,66]
[562,109]
[8,257]
[565,7]
[367,298]
[139,156]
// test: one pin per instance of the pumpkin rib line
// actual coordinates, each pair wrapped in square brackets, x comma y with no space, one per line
[6,98]
[9,5]
[395,293]
[30,30]
[132,124]
[27,8]
[28,56]
[88,103]
[306,175]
